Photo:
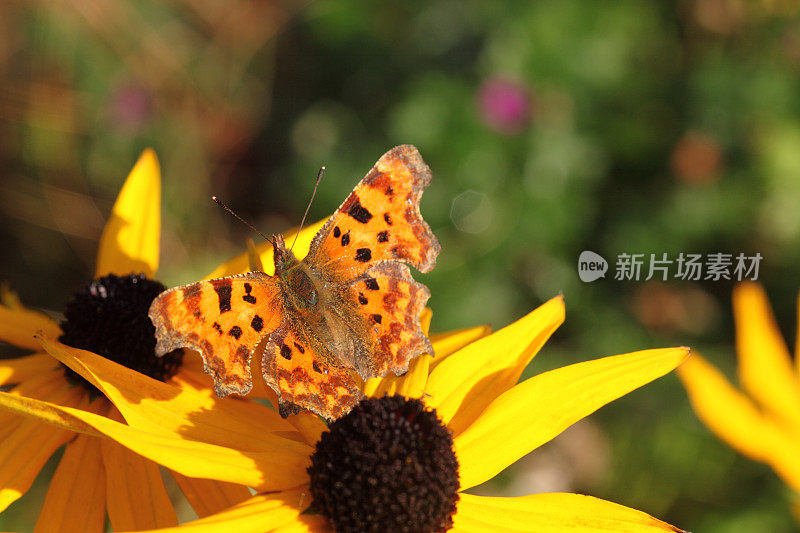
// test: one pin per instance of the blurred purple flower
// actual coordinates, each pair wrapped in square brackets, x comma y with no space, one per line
[130,106]
[504,105]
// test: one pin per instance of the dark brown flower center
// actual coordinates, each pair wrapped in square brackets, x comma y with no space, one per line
[388,465]
[108,316]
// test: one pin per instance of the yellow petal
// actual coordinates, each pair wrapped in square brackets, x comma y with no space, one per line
[8,297]
[24,451]
[463,385]
[9,422]
[40,385]
[260,389]
[136,497]
[425,320]
[253,257]
[765,367]
[159,407]
[411,384]
[130,240]
[445,344]
[18,326]
[551,512]
[51,386]
[306,523]
[259,514]
[76,497]
[541,407]
[23,368]
[797,341]
[241,263]
[276,469]
[208,496]
[193,360]
[310,426]
[279,466]
[191,374]
[23,456]
[378,387]
[43,411]
[737,421]
[235,421]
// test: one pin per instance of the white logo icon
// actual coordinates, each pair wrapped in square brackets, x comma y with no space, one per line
[591,266]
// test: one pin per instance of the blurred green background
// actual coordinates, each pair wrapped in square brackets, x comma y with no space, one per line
[551,128]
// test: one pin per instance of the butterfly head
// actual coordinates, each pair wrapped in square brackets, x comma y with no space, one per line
[296,277]
[283,256]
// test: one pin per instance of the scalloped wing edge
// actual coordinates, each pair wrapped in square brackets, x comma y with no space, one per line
[169,338]
[422,175]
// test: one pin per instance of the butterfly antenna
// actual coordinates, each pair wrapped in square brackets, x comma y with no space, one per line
[319,178]
[243,221]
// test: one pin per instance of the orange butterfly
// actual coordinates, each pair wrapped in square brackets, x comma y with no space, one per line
[349,308]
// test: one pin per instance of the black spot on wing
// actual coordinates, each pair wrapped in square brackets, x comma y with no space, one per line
[217,327]
[387,218]
[359,212]
[362,299]
[346,239]
[257,323]
[299,348]
[363,255]
[249,298]
[377,318]
[286,352]
[223,290]
[235,332]
[383,236]
[372,284]
[336,232]
[316,367]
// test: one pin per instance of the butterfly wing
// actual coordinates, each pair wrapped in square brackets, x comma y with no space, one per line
[379,221]
[305,376]
[361,250]
[390,301]
[224,319]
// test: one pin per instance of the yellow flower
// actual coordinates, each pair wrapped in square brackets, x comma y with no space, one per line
[763,422]
[95,475]
[471,384]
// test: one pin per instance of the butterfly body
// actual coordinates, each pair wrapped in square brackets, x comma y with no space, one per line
[318,307]
[346,312]
[302,288]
